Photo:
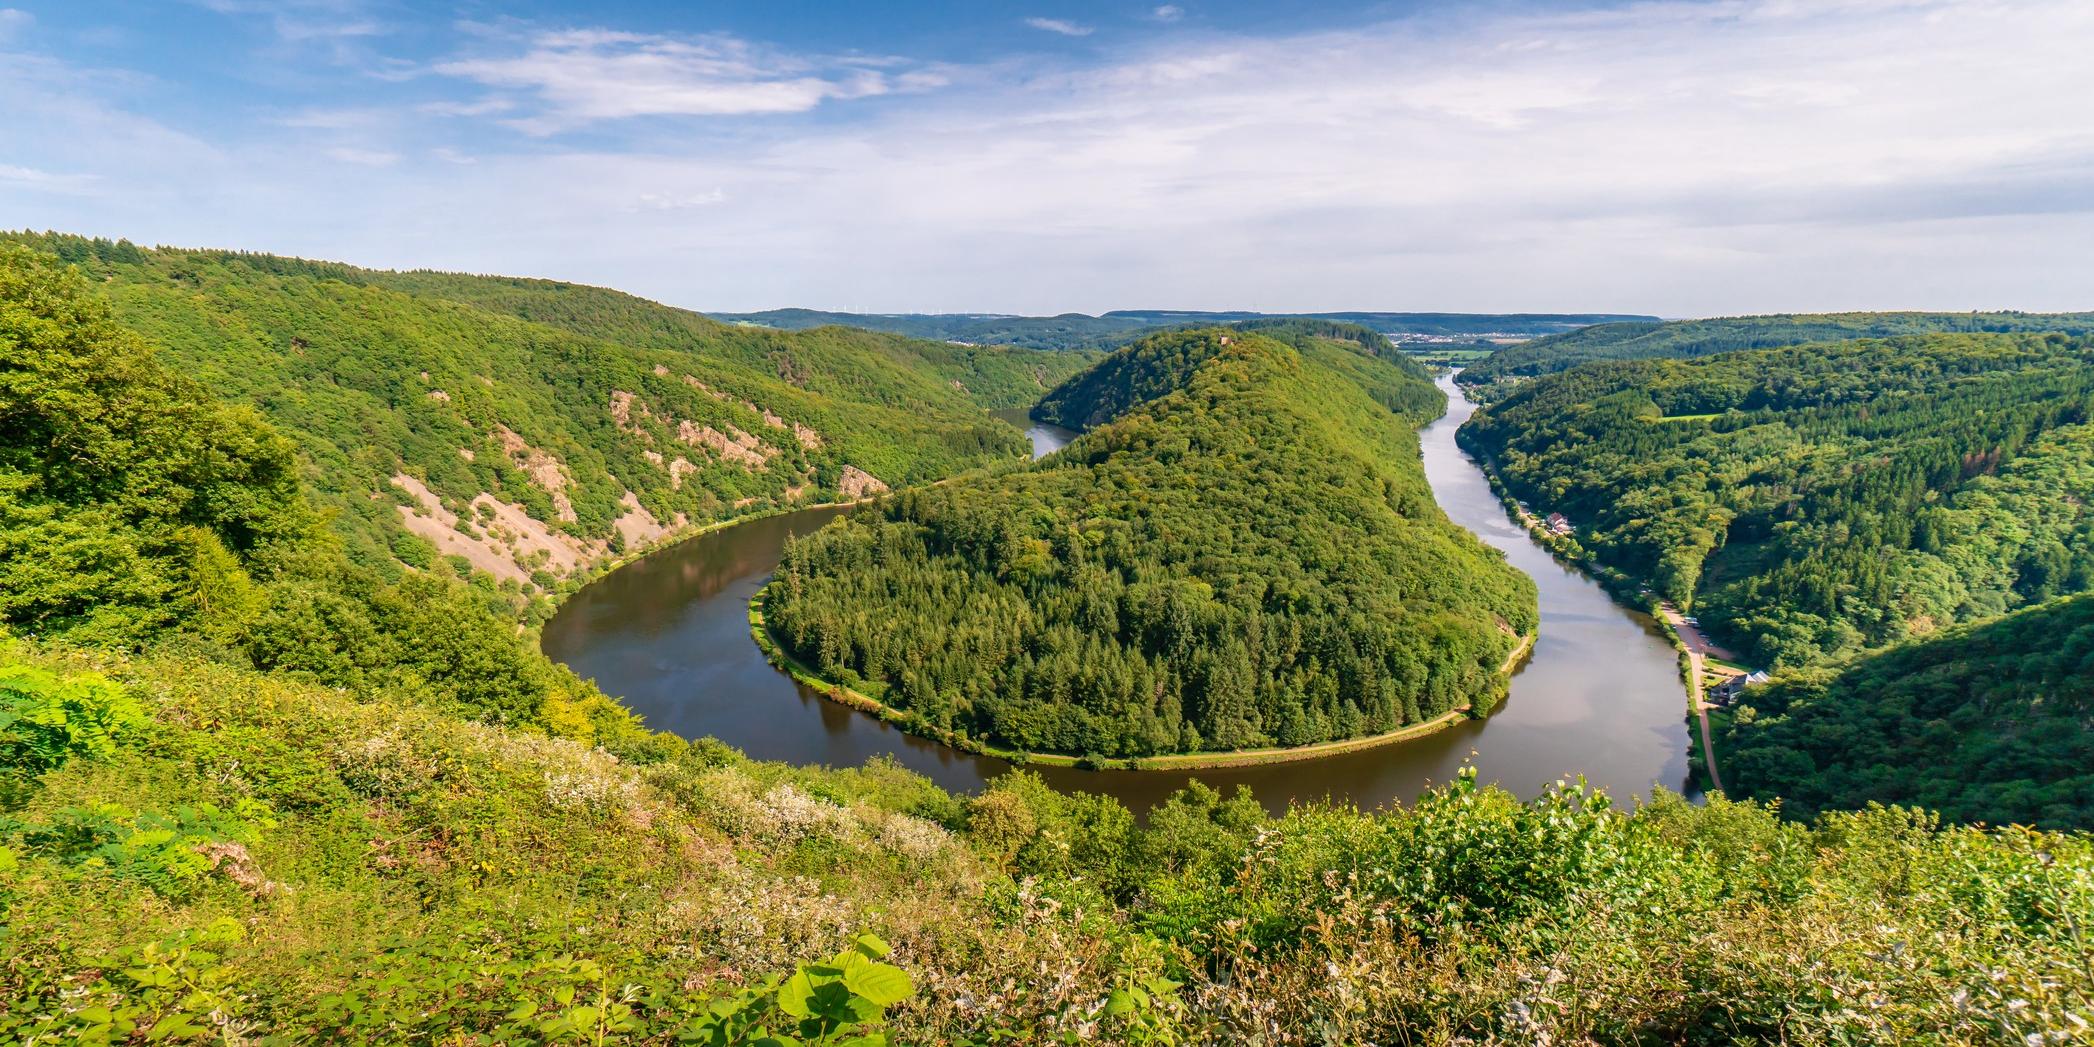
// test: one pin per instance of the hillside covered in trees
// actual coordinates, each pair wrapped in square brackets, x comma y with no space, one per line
[529,428]
[1691,338]
[1983,723]
[1073,330]
[1812,501]
[1241,552]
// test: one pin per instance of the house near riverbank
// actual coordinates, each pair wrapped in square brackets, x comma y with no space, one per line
[1559,525]
[1728,689]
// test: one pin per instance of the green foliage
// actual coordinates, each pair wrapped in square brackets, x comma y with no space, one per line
[1246,554]
[169,852]
[1844,496]
[127,496]
[132,507]
[549,397]
[173,990]
[441,882]
[1690,338]
[46,719]
[1984,723]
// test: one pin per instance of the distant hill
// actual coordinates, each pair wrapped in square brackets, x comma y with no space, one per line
[1120,326]
[1689,338]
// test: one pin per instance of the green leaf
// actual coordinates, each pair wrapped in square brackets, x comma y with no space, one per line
[882,983]
[873,946]
[794,995]
[522,1011]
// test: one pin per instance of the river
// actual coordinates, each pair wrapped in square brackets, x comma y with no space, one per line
[1599,695]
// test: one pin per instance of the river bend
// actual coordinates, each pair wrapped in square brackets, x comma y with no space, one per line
[1600,695]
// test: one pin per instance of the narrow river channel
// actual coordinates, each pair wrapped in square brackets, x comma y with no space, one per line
[1600,694]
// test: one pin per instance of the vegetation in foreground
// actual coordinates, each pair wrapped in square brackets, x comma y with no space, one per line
[1244,554]
[1646,340]
[196,852]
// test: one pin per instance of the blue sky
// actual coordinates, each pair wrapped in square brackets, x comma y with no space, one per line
[1669,156]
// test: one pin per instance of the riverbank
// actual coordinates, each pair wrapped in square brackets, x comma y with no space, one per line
[1628,591]
[759,630]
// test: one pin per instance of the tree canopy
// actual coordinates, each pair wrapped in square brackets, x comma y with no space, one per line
[1242,552]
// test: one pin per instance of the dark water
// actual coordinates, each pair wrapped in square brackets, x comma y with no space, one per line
[1045,438]
[1600,694]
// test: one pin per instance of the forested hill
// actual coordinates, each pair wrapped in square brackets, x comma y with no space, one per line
[1156,366]
[530,428]
[1690,338]
[136,510]
[1115,328]
[1815,500]
[1243,552]
[1985,723]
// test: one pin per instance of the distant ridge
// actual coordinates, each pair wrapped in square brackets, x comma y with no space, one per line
[1070,330]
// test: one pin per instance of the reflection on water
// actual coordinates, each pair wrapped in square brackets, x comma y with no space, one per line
[1599,695]
[1046,438]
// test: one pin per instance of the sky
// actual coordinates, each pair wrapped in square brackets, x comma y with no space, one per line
[1676,157]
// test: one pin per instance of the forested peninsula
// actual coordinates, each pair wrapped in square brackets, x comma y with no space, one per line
[1242,552]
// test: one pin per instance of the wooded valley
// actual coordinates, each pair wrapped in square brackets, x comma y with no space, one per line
[260,784]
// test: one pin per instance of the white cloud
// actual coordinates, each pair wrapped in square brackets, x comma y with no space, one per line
[14,22]
[589,75]
[1168,13]
[45,181]
[678,201]
[482,107]
[1662,157]
[1059,25]
[363,157]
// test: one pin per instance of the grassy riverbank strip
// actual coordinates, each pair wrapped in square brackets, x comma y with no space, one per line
[760,631]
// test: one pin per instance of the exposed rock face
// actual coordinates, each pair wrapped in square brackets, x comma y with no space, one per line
[624,406]
[499,537]
[857,483]
[637,526]
[503,540]
[544,470]
[808,438]
[740,447]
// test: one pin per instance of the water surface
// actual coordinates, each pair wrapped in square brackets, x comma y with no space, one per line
[1046,438]
[1599,695]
